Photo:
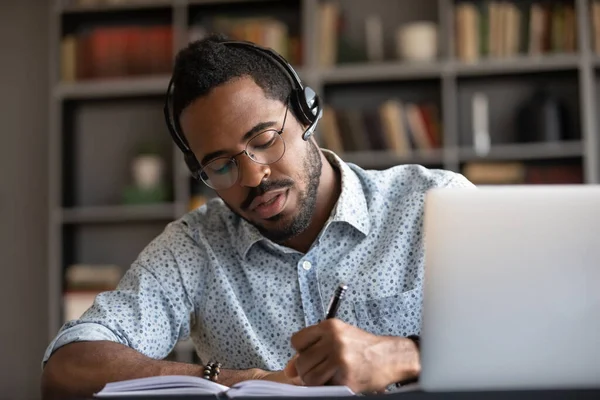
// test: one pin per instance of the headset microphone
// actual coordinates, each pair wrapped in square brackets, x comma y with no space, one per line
[304,101]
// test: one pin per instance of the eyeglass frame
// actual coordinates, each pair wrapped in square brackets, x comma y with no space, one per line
[245,151]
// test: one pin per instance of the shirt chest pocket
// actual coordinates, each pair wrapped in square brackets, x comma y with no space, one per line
[396,315]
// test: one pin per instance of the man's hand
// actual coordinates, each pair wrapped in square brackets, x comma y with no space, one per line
[278,376]
[333,352]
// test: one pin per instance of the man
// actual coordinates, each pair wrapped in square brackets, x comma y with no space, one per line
[249,275]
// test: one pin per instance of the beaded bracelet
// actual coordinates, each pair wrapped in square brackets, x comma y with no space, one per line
[212,371]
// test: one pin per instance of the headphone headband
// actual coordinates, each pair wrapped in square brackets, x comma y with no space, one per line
[304,101]
[281,62]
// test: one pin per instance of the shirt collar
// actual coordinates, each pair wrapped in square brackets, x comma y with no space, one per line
[246,236]
[350,208]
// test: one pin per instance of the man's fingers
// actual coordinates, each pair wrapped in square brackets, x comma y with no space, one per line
[305,338]
[312,356]
[297,381]
[290,369]
[320,374]
[280,377]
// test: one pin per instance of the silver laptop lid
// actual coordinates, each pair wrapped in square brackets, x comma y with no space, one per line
[512,288]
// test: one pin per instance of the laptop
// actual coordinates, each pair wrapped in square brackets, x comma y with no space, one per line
[511,288]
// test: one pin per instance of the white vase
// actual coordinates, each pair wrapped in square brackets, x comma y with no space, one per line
[147,171]
[417,41]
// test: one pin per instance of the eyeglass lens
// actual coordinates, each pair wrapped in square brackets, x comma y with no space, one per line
[265,148]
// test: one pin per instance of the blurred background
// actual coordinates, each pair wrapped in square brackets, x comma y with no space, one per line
[502,91]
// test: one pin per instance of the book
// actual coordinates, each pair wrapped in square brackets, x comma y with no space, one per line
[190,385]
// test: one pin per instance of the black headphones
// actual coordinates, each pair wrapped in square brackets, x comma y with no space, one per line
[305,103]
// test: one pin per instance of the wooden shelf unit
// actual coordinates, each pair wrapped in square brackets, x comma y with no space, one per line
[79,109]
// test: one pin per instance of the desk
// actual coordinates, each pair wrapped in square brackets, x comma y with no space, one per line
[580,394]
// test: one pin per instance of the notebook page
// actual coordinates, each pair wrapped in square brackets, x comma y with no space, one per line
[156,392]
[268,388]
[156,383]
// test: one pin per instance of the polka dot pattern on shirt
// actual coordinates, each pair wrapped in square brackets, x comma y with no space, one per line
[211,276]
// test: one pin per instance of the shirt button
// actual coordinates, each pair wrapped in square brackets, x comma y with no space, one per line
[306,265]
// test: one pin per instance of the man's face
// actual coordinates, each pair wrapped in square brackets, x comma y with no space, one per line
[279,198]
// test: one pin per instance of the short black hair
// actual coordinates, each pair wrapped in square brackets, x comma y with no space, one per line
[207,63]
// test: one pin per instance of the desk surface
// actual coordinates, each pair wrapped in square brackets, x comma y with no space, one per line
[579,394]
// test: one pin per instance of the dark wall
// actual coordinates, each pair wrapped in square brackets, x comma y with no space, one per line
[24,81]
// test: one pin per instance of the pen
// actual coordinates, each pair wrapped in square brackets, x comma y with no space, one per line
[335,300]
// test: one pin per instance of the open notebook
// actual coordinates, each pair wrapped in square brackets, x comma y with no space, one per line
[175,385]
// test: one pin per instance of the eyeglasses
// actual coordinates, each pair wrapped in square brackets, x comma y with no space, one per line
[267,147]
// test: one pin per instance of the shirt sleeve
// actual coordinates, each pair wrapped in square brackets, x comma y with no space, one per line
[460,181]
[149,310]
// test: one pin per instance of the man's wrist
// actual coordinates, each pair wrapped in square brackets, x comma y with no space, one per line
[408,370]
[416,340]
[396,360]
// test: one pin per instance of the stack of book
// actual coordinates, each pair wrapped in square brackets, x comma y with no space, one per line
[265,31]
[396,126]
[517,173]
[501,29]
[116,51]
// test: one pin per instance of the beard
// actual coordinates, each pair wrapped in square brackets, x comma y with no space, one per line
[307,200]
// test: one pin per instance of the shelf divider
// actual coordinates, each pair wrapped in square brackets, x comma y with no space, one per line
[527,151]
[117,213]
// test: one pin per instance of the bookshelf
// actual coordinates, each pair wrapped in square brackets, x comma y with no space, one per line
[118,87]
[99,116]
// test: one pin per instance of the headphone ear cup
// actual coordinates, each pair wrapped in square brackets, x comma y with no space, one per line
[300,108]
[318,110]
[310,103]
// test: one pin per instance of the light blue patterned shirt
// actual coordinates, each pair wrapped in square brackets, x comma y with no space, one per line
[210,276]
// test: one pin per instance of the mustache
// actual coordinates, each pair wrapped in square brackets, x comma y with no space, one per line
[263,188]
